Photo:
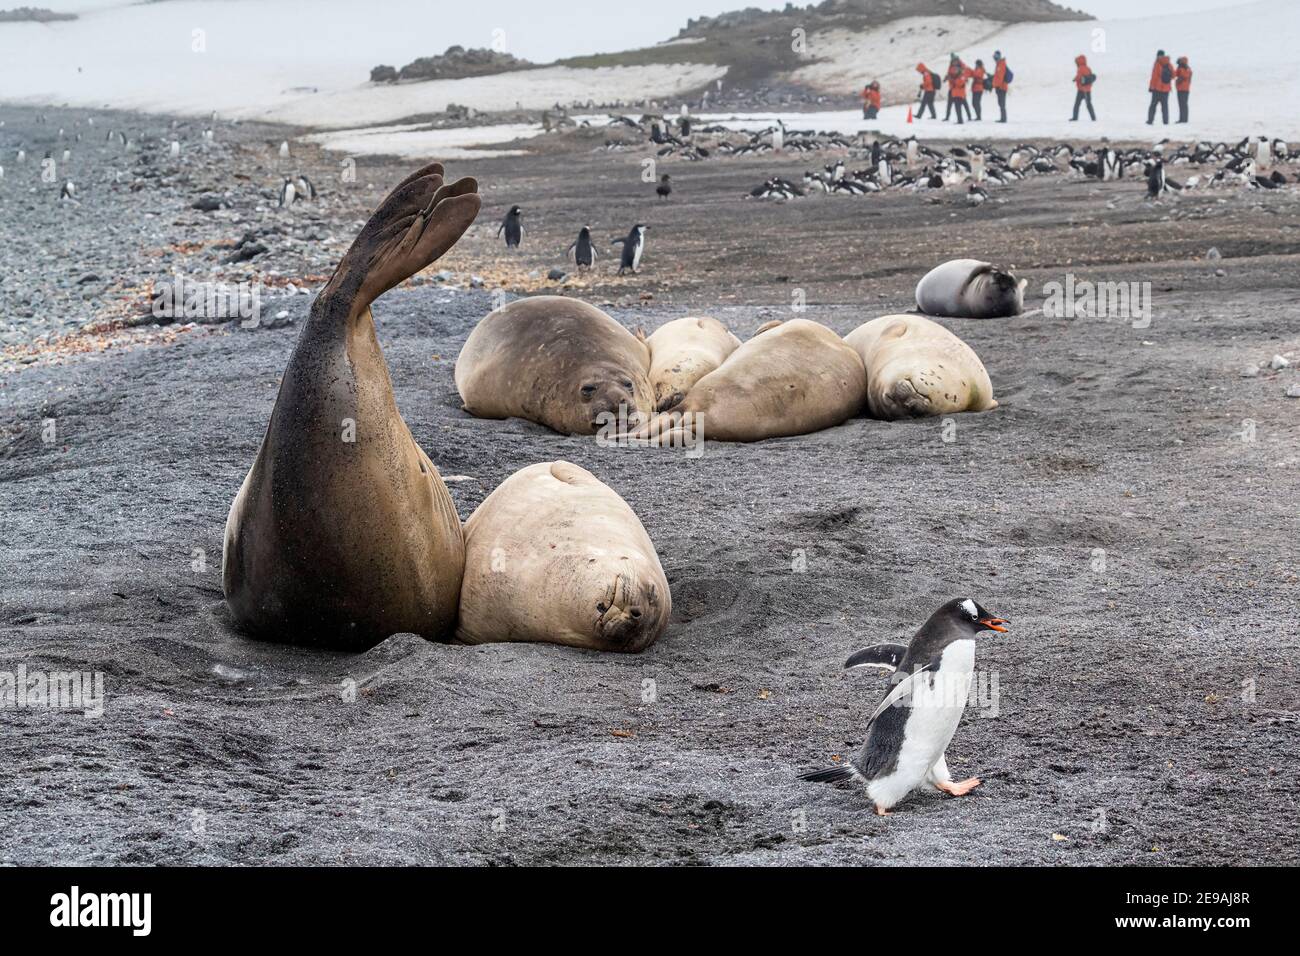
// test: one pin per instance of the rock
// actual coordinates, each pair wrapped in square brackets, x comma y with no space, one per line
[1278,362]
[1214,253]
[206,204]
[1293,391]
[476,282]
[1220,273]
[555,275]
[87,278]
[383,74]
[1250,371]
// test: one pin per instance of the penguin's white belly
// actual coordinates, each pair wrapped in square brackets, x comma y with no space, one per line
[636,256]
[935,711]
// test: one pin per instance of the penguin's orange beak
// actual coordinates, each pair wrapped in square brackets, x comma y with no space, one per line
[994,623]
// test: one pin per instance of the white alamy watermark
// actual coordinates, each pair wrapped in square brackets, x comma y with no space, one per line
[1083,299]
[25,689]
[981,693]
[75,908]
[625,428]
[184,298]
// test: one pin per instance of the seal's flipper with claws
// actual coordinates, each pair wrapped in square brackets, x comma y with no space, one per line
[343,533]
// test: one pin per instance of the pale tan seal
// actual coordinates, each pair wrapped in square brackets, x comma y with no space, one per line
[970,289]
[555,556]
[790,379]
[682,352]
[555,361]
[917,367]
[343,532]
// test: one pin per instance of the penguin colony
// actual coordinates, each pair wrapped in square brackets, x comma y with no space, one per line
[888,160]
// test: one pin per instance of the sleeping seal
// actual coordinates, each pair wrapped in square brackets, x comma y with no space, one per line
[791,378]
[684,351]
[970,289]
[556,361]
[343,532]
[553,555]
[917,367]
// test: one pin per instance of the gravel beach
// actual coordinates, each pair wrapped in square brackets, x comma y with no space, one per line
[1130,507]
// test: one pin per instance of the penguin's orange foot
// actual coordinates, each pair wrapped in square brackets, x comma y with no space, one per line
[959,789]
[882,812]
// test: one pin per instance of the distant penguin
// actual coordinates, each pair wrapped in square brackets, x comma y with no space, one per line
[175,149]
[1110,165]
[664,188]
[633,248]
[976,196]
[288,193]
[284,149]
[69,193]
[1155,178]
[778,137]
[908,732]
[67,155]
[21,156]
[583,249]
[304,187]
[514,228]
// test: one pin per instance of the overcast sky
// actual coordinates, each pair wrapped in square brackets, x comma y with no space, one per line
[543,30]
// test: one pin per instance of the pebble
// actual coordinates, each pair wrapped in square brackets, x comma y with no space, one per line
[1278,363]
[1293,391]
[1250,371]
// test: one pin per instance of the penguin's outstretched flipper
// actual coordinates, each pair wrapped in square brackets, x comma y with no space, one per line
[883,656]
[830,775]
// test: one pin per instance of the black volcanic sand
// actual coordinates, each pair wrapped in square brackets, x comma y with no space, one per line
[1121,733]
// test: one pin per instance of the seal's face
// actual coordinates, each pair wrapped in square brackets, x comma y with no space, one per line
[630,612]
[997,292]
[609,398]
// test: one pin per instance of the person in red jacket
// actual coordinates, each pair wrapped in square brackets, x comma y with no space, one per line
[957,91]
[927,91]
[871,100]
[1083,80]
[1162,78]
[978,78]
[955,67]
[1183,84]
[1001,82]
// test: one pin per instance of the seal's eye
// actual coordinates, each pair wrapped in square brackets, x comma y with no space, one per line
[588,391]
[627,385]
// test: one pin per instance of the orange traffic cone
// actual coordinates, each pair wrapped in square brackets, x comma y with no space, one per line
[909,114]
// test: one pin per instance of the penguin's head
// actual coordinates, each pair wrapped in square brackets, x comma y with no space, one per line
[515,211]
[967,614]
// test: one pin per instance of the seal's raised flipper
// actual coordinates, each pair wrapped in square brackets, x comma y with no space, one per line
[419,221]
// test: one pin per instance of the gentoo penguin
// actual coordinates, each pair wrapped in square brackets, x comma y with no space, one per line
[664,187]
[304,187]
[513,227]
[1156,178]
[583,249]
[911,728]
[288,193]
[633,247]
[69,193]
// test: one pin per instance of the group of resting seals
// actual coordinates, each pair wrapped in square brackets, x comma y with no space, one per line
[343,532]
[567,365]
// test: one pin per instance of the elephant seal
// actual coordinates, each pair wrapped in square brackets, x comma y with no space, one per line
[556,361]
[343,532]
[555,556]
[917,367]
[682,352]
[970,289]
[791,378]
